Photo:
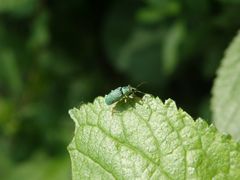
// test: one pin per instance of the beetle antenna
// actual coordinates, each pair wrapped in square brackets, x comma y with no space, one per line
[144,82]
[140,92]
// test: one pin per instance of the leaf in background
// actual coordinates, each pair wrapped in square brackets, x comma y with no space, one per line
[230,1]
[40,36]
[156,11]
[226,92]
[10,72]
[147,139]
[5,162]
[171,47]
[42,167]
[118,25]
[140,57]
[18,7]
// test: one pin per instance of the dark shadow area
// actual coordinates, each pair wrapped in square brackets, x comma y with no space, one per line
[126,103]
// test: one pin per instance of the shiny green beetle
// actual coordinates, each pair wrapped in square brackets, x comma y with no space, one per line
[119,93]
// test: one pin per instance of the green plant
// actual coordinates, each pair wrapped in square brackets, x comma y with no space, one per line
[55,54]
[145,138]
[226,92]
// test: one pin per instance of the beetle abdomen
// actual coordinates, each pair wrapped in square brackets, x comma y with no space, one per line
[114,96]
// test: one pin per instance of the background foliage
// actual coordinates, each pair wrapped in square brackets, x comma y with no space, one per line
[56,54]
[226,98]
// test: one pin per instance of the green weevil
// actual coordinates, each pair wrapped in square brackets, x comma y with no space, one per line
[120,93]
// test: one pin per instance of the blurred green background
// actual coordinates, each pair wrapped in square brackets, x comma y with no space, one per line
[57,54]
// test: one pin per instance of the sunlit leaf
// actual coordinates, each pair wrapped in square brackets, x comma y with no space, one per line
[226,91]
[148,139]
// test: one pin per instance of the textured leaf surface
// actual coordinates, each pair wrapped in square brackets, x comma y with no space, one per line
[226,92]
[148,139]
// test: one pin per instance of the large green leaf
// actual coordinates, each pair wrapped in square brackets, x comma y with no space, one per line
[147,139]
[226,92]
